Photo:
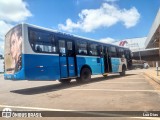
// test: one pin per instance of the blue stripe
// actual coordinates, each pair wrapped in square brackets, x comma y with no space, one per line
[93,62]
[115,64]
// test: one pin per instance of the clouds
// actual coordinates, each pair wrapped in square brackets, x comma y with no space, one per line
[107,40]
[105,16]
[4,28]
[11,12]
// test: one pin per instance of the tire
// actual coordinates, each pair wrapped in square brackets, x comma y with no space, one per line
[123,73]
[85,75]
[65,81]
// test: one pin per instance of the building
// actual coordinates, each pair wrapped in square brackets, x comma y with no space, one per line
[153,39]
[146,48]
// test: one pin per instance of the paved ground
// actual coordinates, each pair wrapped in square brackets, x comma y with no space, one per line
[153,73]
[134,92]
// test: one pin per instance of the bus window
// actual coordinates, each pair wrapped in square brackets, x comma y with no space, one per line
[69,45]
[43,42]
[127,54]
[62,49]
[70,48]
[120,52]
[93,49]
[112,51]
[82,47]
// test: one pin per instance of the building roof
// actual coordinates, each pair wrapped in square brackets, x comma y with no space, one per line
[134,44]
[154,32]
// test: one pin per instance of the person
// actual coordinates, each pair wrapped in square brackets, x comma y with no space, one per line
[16,47]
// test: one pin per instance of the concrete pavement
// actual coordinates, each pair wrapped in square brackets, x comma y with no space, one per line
[133,92]
[153,74]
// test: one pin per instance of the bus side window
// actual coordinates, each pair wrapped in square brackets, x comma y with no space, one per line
[53,44]
[93,49]
[100,50]
[62,49]
[42,41]
[120,52]
[112,51]
[82,48]
[70,49]
[127,54]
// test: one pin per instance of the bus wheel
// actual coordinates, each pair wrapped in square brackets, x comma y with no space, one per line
[123,71]
[65,81]
[85,75]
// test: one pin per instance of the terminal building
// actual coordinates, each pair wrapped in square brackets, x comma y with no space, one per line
[146,48]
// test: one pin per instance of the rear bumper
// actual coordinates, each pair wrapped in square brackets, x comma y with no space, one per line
[17,76]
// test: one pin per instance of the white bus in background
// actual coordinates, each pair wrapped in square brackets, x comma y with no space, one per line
[1,64]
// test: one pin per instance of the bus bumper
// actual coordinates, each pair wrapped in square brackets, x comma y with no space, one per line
[16,76]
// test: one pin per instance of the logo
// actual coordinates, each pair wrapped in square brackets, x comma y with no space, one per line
[122,43]
[7,113]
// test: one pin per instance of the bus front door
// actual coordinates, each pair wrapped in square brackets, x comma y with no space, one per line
[106,60]
[67,58]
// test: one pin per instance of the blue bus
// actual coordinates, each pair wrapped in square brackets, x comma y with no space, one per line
[37,53]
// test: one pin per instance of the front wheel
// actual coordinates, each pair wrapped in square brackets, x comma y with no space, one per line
[85,75]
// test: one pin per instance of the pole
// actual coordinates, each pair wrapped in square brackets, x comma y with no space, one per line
[139,52]
[157,68]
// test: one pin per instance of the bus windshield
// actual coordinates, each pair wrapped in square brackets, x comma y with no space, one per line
[13,50]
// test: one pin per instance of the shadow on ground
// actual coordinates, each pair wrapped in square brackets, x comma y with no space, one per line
[55,87]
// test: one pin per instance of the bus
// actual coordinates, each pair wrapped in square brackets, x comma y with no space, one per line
[37,53]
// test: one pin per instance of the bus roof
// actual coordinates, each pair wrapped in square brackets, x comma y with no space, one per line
[66,34]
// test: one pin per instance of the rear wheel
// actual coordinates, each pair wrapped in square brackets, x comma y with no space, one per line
[65,81]
[123,71]
[85,75]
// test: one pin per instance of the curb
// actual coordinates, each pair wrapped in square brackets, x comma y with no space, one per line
[153,78]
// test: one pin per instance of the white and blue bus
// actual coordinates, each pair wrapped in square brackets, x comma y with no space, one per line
[36,53]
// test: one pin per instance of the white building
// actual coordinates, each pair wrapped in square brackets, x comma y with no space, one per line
[146,48]
[134,44]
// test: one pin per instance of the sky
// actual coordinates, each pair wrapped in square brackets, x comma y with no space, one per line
[103,20]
